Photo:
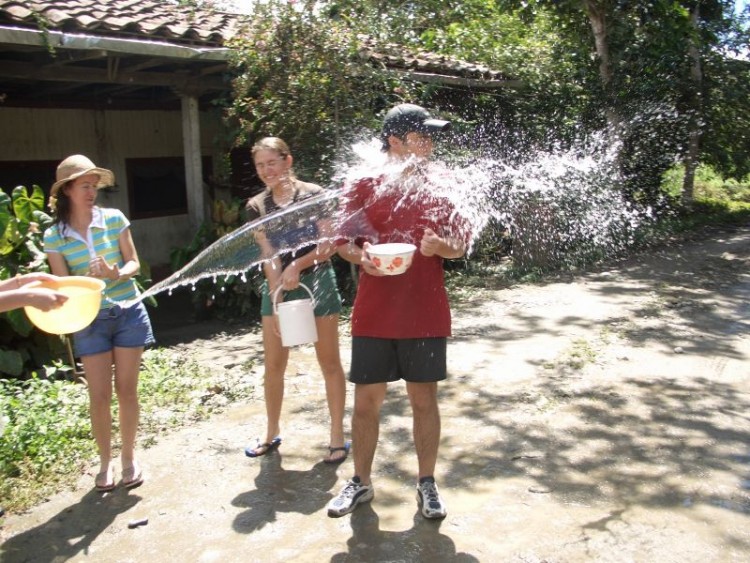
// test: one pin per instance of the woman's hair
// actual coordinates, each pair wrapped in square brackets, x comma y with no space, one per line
[275,144]
[61,214]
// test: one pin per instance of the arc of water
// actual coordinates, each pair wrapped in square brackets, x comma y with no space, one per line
[237,252]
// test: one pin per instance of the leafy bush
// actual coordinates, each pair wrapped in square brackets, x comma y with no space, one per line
[23,347]
[46,435]
[712,212]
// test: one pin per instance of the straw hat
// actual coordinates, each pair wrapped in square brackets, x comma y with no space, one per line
[73,167]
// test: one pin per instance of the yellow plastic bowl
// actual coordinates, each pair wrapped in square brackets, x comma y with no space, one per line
[84,299]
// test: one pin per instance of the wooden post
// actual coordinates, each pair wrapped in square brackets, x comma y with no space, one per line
[196,196]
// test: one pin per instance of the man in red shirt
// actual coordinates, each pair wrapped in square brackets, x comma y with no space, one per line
[400,323]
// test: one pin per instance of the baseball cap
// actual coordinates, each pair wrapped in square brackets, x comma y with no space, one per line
[404,118]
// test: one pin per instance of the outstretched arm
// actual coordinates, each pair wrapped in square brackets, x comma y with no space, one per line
[17,292]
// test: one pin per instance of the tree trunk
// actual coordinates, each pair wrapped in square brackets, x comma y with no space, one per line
[696,109]
[596,12]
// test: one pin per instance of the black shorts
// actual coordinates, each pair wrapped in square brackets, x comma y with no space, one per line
[381,360]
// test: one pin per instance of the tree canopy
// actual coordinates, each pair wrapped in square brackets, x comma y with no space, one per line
[665,76]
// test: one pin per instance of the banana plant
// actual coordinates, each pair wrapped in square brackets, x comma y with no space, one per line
[22,222]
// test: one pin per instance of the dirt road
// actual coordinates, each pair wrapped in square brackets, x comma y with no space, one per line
[601,417]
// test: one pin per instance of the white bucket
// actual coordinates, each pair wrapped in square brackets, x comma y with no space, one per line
[296,319]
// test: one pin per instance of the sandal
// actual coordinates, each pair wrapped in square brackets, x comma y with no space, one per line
[132,476]
[265,448]
[105,481]
[335,461]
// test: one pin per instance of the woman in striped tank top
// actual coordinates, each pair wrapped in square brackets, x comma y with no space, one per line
[88,240]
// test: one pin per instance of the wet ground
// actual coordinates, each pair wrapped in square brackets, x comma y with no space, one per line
[601,417]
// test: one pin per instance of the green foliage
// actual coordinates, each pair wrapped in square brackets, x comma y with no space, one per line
[46,433]
[709,185]
[709,213]
[725,141]
[300,77]
[648,96]
[23,347]
[21,220]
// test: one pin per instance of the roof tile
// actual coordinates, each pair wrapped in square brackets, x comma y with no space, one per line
[56,16]
[88,21]
[19,12]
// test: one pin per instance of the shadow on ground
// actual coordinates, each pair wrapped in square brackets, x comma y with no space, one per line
[90,517]
[423,542]
[278,490]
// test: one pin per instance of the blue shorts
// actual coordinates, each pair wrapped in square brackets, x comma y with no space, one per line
[115,327]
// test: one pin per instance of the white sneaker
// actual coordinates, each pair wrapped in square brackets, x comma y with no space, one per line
[430,501]
[353,493]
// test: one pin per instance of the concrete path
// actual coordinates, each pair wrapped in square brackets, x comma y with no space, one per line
[601,417]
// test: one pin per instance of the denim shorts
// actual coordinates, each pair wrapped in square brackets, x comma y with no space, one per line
[322,282]
[121,327]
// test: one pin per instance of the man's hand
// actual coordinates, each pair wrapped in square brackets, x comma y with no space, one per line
[367,264]
[433,245]
[430,244]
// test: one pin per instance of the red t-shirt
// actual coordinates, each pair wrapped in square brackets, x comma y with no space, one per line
[413,304]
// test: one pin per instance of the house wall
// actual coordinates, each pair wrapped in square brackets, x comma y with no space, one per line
[108,138]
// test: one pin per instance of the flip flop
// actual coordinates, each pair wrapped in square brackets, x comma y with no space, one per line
[345,448]
[132,476]
[267,447]
[107,479]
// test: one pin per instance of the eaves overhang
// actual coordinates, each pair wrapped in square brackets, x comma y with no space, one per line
[51,39]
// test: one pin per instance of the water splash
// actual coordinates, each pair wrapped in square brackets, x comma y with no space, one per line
[560,205]
[563,206]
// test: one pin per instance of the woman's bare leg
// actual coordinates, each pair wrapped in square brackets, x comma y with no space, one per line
[275,359]
[329,358]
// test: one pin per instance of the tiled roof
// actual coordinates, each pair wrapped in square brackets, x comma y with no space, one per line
[396,56]
[163,21]
[145,19]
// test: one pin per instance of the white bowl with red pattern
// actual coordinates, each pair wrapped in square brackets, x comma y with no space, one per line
[392,258]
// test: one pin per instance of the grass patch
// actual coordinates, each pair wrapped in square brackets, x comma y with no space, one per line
[175,390]
[709,185]
[579,354]
[46,440]
[575,357]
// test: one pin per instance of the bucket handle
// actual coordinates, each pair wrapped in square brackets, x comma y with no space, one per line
[278,290]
